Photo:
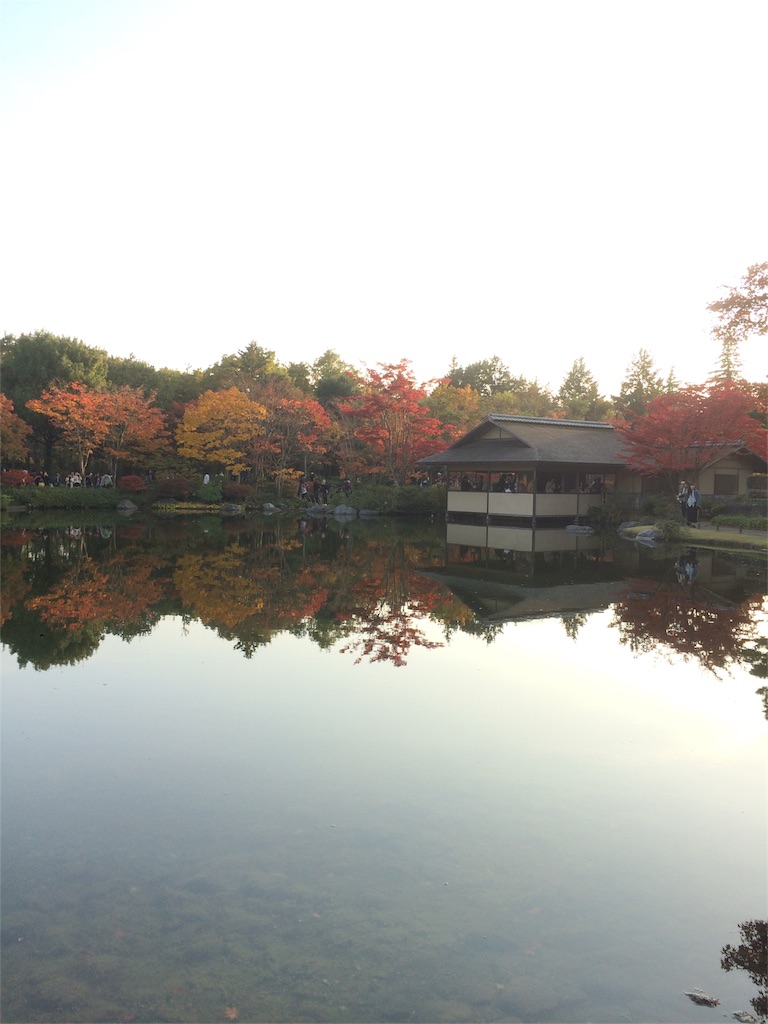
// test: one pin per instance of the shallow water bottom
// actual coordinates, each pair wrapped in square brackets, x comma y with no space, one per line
[328,845]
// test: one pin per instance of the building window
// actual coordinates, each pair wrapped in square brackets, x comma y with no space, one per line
[726,483]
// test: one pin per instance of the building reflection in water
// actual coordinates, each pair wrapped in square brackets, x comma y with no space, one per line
[372,586]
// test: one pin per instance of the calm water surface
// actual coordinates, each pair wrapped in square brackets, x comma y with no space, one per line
[302,778]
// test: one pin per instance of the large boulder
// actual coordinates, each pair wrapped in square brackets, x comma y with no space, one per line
[345,512]
[126,506]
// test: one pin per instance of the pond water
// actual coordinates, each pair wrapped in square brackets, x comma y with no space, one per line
[376,771]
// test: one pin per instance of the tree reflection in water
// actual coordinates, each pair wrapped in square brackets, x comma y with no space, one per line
[692,620]
[361,587]
[751,956]
[388,605]
[64,590]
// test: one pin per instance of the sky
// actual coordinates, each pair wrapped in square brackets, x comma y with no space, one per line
[538,180]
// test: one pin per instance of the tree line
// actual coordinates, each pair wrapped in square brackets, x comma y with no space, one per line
[67,405]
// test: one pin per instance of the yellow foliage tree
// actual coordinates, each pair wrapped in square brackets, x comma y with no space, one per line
[220,428]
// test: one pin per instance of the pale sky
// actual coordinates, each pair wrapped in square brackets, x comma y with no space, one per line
[538,180]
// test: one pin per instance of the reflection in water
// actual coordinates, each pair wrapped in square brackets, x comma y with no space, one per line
[65,590]
[214,815]
[370,585]
[687,567]
[697,618]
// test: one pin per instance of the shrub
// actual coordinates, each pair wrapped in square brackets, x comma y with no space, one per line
[737,522]
[738,507]
[420,501]
[406,500]
[134,484]
[210,492]
[238,492]
[15,478]
[375,496]
[612,512]
[174,487]
[659,505]
[66,497]
[672,529]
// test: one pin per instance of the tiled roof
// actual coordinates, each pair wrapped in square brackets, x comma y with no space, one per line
[527,441]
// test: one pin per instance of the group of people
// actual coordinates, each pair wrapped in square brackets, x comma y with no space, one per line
[521,483]
[467,484]
[424,480]
[318,491]
[73,479]
[89,480]
[689,499]
[511,483]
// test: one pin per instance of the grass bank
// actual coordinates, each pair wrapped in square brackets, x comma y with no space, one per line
[706,535]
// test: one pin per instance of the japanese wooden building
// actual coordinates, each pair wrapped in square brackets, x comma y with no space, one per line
[535,470]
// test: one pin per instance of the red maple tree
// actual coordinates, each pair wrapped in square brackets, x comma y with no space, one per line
[682,432]
[391,420]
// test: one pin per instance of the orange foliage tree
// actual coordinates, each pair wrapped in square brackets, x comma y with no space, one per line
[13,432]
[136,427]
[294,428]
[79,414]
[121,423]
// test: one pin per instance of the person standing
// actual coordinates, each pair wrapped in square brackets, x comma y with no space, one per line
[692,506]
[682,499]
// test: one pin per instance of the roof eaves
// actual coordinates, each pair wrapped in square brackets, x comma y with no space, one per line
[547,420]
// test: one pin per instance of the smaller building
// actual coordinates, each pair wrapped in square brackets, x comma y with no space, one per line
[727,469]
